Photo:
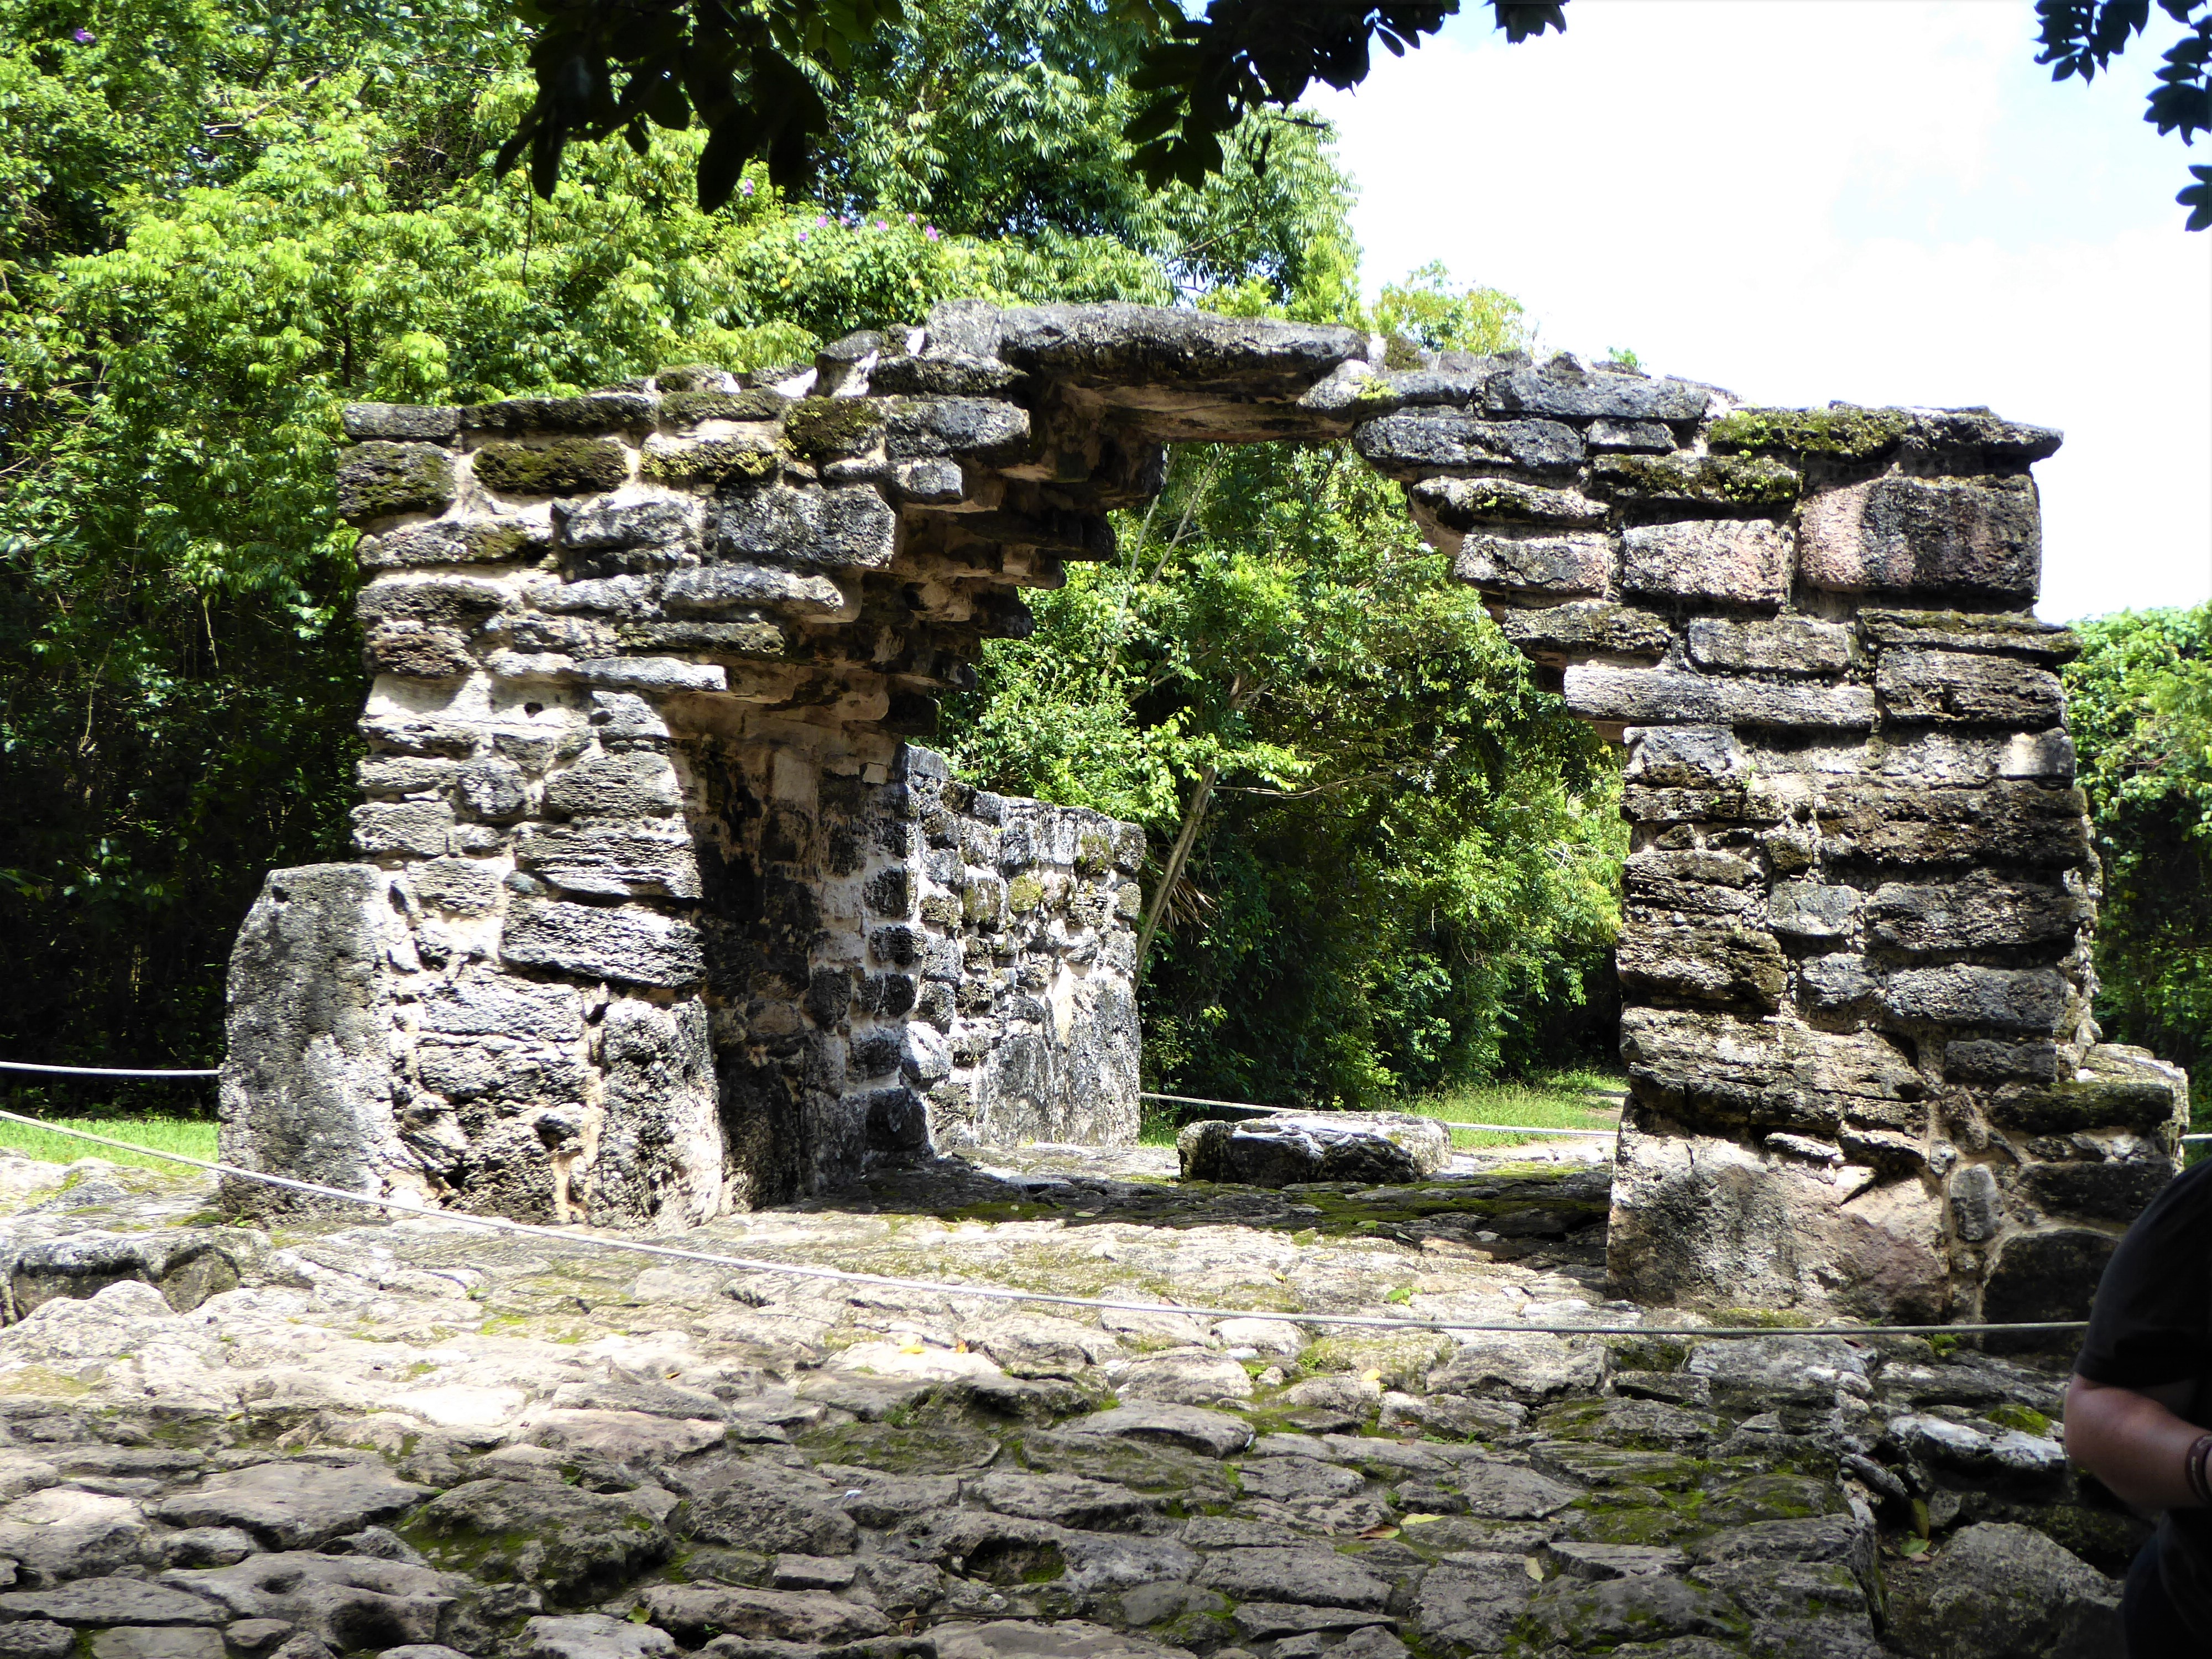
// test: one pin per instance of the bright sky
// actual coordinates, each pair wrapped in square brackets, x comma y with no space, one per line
[1881,201]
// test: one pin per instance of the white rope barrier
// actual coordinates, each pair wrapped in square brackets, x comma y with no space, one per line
[97,1071]
[1478,1129]
[996,1293]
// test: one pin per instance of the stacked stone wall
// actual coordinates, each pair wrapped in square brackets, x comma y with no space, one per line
[646,664]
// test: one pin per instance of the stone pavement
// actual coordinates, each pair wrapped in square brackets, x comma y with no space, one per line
[417,1439]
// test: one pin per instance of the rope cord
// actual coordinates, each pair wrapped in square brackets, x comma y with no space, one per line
[96,1071]
[994,1293]
[1483,1128]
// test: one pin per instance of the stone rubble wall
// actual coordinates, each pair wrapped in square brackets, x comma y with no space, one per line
[644,662]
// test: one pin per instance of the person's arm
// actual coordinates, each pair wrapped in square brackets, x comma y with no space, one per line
[2134,1440]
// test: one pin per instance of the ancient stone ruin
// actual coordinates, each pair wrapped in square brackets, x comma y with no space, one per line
[660,913]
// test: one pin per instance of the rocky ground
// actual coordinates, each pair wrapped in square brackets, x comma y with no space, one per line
[413,1438]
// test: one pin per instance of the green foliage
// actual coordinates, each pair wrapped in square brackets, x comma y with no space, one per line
[221,222]
[2140,708]
[1406,875]
[2081,37]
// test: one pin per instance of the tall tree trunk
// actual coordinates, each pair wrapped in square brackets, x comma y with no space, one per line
[1192,815]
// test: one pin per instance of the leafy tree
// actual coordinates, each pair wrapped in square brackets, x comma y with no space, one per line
[1388,862]
[2141,706]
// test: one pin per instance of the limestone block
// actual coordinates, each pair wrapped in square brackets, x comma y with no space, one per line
[413,651]
[1978,912]
[651,674]
[1693,757]
[640,859]
[2035,1000]
[1785,645]
[2118,1190]
[606,523]
[1651,437]
[414,829]
[727,587]
[1985,1060]
[1716,884]
[1714,1067]
[1564,390]
[493,788]
[307,1075]
[1708,481]
[943,374]
[1583,628]
[2005,823]
[1644,697]
[847,527]
[1762,703]
[465,887]
[983,427]
[1808,912]
[1698,1220]
[1977,537]
[398,776]
[2021,635]
[2116,1087]
[1462,503]
[593,411]
[430,423]
[379,479]
[1837,986]
[931,482]
[454,541]
[1949,685]
[1422,444]
[659,1160]
[1125,346]
[1702,963]
[1503,560]
[1289,1148]
[631,947]
[1744,562]
[635,783]
[558,466]
[2047,1274]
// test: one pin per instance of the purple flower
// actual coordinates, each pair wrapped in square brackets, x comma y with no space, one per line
[930,231]
[83,37]
[909,218]
[804,234]
[822,219]
[880,225]
[843,221]
[745,188]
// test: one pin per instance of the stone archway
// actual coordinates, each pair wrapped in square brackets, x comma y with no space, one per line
[661,911]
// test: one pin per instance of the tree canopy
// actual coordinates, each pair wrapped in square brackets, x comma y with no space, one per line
[223,221]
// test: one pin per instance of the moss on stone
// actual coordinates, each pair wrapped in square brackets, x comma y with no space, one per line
[1092,855]
[2026,1418]
[1399,353]
[823,429]
[1023,894]
[690,408]
[564,467]
[376,480]
[711,461]
[1843,431]
[1728,480]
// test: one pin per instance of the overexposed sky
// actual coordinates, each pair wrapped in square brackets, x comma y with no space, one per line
[1881,201]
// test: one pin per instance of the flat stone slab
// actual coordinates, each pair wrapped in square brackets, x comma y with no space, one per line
[1192,1427]
[1287,1149]
[293,1505]
[110,1601]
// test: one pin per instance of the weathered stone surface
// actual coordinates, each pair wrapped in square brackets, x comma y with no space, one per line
[1312,1576]
[293,1505]
[718,587]
[1275,1152]
[2000,999]
[645,857]
[1954,630]
[1981,911]
[1742,561]
[1785,645]
[561,466]
[1583,628]
[379,479]
[764,1507]
[109,1601]
[1442,441]
[1214,1433]
[1998,1591]
[346,1602]
[1974,536]
[571,1542]
[1564,389]
[62,1534]
[846,528]
[1812,913]
[427,422]
[695,1614]
[636,947]
[1961,686]
[594,1636]
[1703,963]
[1464,503]
[636,785]
[1504,561]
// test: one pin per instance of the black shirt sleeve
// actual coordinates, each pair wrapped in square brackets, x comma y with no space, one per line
[2151,1321]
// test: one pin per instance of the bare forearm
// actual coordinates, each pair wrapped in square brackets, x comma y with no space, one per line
[2134,1443]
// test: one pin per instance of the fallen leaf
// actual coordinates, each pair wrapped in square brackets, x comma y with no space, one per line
[1380,1532]
[910,1347]
[1534,1567]
[1417,1520]
[1371,1376]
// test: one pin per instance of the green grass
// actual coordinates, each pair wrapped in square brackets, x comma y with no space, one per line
[1576,1098]
[193,1137]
